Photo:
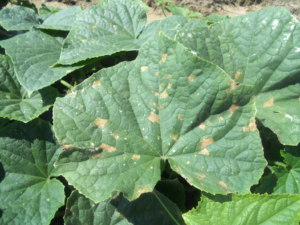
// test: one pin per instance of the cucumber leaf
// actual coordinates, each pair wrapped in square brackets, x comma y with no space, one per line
[284,178]
[246,209]
[22,18]
[28,195]
[260,49]
[120,126]
[15,103]
[151,209]
[33,55]
[104,30]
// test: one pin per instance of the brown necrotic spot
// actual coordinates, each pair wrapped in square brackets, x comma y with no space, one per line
[164,94]
[191,78]
[233,85]
[174,137]
[67,148]
[153,117]
[96,83]
[206,142]
[108,148]
[269,103]
[250,127]
[100,122]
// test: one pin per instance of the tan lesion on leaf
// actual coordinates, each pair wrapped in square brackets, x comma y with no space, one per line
[156,94]
[223,184]
[170,86]
[116,136]
[180,117]
[141,189]
[233,85]
[269,103]
[154,118]
[202,126]
[233,108]
[191,78]
[250,127]
[206,142]
[201,175]
[169,77]
[97,156]
[237,75]
[108,148]
[67,148]
[174,137]
[204,152]
[96,83]
[164,94]
[144,68]
[100,122]
[135,157]
[164,57]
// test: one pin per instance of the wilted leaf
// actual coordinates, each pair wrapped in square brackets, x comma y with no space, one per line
[245,210]
[27,194]
[119,126]
[15,103]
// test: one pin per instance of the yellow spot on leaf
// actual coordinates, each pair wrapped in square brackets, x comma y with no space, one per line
[169,77]
[83,41]
[69,71]
[233,85]
[233,108]
[144,68]
[164,94]
[206,142]
[250,127]
[180,117]
[220,118]
[204,152]
[221,183]
[164,57]
[155,93]
[96,83]
[116,136]
[170,85]
[135,157]
[94,26]
[100,122]
[202,126]
[269,103]
[153,117]
[108,148]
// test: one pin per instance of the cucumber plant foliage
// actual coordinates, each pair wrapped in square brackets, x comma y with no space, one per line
[143,140]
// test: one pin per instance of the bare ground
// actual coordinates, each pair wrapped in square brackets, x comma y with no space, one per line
[226,7]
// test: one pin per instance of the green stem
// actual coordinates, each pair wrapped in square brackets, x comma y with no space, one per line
[163,10]
[163,205]
[66,84]
[277,163]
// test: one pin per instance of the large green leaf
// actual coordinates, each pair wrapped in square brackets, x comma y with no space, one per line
[120,126]
[23,18]
[245,210]
[15,103]
[260,49]
[151,209]
[33,55]
[28,195]
[18,18]
[101,31]
[284,178]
